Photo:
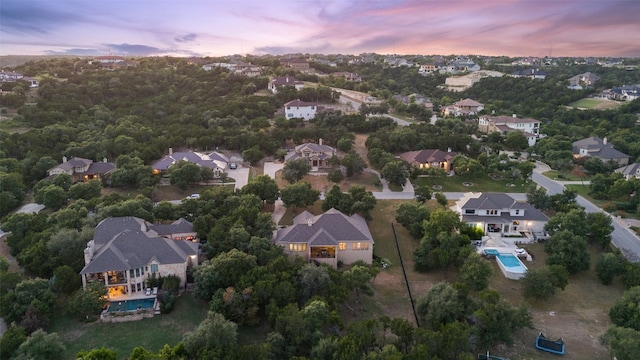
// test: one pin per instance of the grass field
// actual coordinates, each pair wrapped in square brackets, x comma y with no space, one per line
[123,337]
[483,184]
[591,103]
[563,176]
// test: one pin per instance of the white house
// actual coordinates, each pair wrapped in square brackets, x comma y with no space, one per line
[300,109]
[504,124]
[499,213]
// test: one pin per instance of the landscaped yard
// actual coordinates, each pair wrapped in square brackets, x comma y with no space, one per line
[478,184]
[564,176]
[123,337]
[591,103]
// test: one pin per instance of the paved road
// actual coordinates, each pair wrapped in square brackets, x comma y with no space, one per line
[623,237]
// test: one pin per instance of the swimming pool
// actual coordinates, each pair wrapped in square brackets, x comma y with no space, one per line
[509,264]
[131,305]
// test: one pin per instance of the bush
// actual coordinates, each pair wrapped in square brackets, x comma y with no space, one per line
[167,301]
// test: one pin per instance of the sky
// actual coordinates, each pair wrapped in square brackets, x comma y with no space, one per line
[224,27]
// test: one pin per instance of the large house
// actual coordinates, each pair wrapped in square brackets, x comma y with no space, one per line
[415,99]
[329,238]
[583,81]
[599,148]
[463,107]
[349,76]
[215,161]
[530,73]
[499,213]
[430,158]
[505,124]
[126,251]
[81,169]
[317,155]
[295,63]
[279,82]
[297,109]
[630,171]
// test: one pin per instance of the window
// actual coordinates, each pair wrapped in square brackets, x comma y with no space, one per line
[342,246]
[131,274]
[517,212]
[470,211]
[492,212]
[298,247]
[360,246]
[137,272]
[154,268]
[142,271]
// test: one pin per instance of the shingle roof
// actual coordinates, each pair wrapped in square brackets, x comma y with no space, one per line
[510,120]
[123,243]
[179,226]
[468,102]
[428,156]
[298,102]
[328,228]
[212,161]
[631,169]
[100,168]
[596,147]
[493,201]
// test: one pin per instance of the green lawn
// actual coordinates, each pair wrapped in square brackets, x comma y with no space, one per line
[479,184]
[123,337]
[587,103]
[563,176]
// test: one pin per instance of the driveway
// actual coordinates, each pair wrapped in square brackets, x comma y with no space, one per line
[240,175]
[270,168]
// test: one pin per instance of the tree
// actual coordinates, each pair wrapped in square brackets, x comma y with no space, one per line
[574,221]
[86,190]
[30,292]
[599,229]
[344,144]
[498,320]
[299,195]
[441,198]
[363,201]
[335,175]
[475,272]
[41,345]
[86,304]
[537,197]
[353,164]
[11,340]
[66,280]
[442,305]
[264,187]
[214,333]
[624,343]
[526,169]
[422,193]
[625,312]
[542,284]
[516,140]
[395,173]
[184,174]
[609,265]
[252,155]
[295,170]
[569,250]
[54,197]
[102,353]
[412,215]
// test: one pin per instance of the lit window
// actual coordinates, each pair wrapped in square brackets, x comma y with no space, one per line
[360,246]
[342,246]
[298,247]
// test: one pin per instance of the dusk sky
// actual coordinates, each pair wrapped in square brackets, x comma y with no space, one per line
[225,27]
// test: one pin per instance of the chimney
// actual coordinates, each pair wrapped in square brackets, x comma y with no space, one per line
[309,221]
[320,141]
[604,141]
[449,149]
[514,115]
[170,151]
[64,159]
[104,160]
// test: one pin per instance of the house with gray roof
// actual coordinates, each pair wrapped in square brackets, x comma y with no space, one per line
[530,73]
[499,213]
[599,148]
[215,161]
[583,81]
[430,158]
[278,82]
[126,251]
[317,155]
[328,238]
[630,171]
[81,169]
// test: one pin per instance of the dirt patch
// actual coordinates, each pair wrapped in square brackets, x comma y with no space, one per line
[321,183]
[360,148]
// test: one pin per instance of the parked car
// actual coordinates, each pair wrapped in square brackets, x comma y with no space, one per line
[233,166]
[193,196]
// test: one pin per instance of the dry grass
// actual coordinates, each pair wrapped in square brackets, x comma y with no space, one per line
[321,183]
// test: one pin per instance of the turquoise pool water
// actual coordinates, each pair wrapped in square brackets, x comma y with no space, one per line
[491,252]
[131,305]
[513,263]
